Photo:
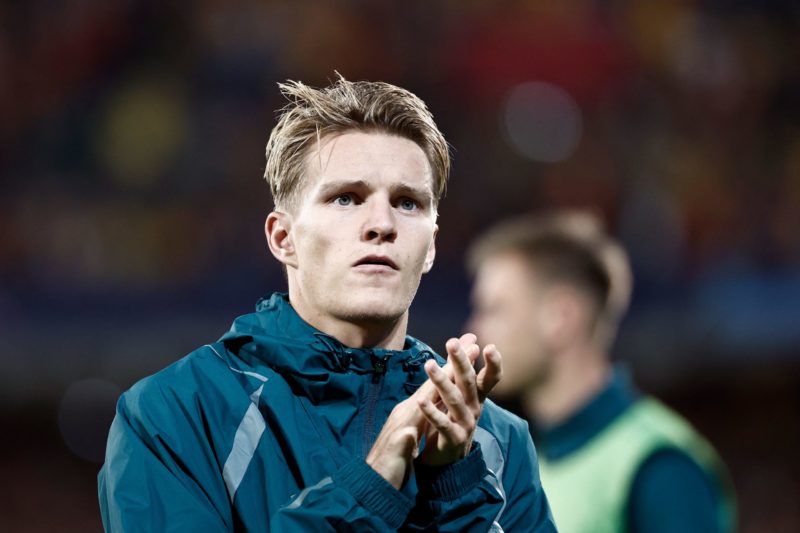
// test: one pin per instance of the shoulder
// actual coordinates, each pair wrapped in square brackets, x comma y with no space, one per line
[653,416]
[503,434]
[671,488]
[669,465]
[178,380]
[204,381]
[503,424]
[510,456]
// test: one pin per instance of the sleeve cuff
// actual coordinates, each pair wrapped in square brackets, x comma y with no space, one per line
[373,492]
[448,482]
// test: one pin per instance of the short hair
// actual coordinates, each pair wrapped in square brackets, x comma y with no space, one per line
[568,247]
[345,106]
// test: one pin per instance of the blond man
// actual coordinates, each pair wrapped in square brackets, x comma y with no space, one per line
[317,412]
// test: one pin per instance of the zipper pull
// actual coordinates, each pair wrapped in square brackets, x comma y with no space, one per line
[379,366]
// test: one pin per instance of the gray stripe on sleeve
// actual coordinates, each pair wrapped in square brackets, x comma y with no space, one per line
[299,500]
[245,442]
[495,463]
[256,375]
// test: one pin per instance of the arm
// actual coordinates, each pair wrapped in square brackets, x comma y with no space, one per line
[366,495]
[461,496]
[445,409]
[160,475]
[455,489]
[144,486]
[526,507]
[671,493]
[509,491]
[355,498]
[456,492]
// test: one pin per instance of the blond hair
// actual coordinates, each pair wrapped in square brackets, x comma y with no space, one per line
[569,247]
[342,106]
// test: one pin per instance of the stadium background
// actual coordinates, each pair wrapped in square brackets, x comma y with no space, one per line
[132,204]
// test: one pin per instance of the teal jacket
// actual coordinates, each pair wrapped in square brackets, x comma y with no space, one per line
[267,430]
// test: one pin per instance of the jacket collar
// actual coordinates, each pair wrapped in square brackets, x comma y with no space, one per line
[277,337]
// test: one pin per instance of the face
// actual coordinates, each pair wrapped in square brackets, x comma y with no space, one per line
[362,231]
[506,312]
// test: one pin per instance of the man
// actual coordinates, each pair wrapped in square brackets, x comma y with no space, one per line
[550,290]
[317,412]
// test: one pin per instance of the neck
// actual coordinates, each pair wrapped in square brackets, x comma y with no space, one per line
[576,377]
[388,334]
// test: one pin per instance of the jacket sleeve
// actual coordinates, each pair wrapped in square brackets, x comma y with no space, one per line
[457,497]
[526,507]
[160,474]
[495,488]
[355,498]
[151,484]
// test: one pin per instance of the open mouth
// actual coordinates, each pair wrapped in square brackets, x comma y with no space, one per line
[376,260]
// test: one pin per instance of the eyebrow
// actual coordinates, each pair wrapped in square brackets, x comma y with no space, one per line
[335,186]
[423,194]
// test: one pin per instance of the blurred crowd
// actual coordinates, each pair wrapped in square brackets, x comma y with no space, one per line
[132,137]
[133,131]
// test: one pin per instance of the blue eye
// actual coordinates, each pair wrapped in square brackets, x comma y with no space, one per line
[343,199]
[408,204]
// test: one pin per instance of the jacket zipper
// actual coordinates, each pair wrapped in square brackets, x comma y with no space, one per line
[379,366]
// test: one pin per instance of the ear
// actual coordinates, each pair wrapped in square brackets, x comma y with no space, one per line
[279,237]
[561,318]
[431,254]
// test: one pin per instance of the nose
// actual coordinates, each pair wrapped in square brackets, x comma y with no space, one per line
[380,224]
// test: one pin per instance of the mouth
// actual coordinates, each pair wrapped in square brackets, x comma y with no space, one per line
[376,261]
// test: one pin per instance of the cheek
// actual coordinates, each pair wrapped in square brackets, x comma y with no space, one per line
[516,332]
[315,248]
[421,241]
[494,329]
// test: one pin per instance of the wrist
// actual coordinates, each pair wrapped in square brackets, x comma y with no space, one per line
[433,457]
[394,470]
[373,492]
[448,482]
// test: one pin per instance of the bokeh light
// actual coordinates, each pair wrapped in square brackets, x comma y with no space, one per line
[542,121]
[141,131]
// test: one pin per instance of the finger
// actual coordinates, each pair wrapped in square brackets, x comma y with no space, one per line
[464,374]
[469,342]
[491,374]
[428,389]
[473,351]
[441,422]
[405,413]
[450,394]
[467,339]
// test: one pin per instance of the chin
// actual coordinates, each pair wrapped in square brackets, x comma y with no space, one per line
[374,307]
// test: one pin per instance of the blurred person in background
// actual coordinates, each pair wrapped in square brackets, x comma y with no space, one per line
[277,426]
[550,290]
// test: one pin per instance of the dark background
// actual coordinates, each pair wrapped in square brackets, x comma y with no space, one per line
[131,211]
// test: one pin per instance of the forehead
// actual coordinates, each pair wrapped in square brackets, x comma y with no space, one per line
[505,275]
[375,157]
